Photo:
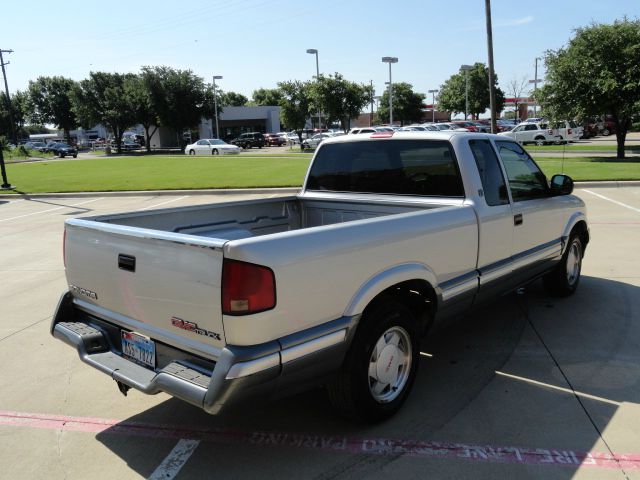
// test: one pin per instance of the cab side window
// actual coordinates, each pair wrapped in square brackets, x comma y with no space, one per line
[493,184]
[526,180]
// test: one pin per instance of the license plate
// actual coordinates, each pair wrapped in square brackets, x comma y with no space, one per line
[139,348]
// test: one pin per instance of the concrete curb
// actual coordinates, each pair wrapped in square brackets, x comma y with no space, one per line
[140,193]
[249,191]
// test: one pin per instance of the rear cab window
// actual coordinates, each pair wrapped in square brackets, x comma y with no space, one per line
[493,184]
[393,167]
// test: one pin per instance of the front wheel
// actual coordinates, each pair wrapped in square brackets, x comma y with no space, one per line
[605,132]
[214,151]
[192,152]
[381,365]
[564,279]
[540,142]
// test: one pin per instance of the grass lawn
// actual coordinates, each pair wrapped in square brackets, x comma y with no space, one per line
[590,168]
[174,172]
[594,147]
[158,172]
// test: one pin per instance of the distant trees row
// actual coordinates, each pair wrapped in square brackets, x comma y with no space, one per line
[157,96]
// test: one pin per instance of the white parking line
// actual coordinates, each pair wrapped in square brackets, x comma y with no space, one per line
[613,201]
[164,203]
[50,210]
[176,459]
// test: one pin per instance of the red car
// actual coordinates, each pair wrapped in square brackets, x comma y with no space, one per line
[466,124]
[273,139]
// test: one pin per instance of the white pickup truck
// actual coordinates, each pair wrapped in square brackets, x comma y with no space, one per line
[218,303]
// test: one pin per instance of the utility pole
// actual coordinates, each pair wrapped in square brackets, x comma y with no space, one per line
[372,96]
[492,91]
[535,82]
[5,183]
[14,137]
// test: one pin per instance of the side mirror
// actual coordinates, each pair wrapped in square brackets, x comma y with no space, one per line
[561,185]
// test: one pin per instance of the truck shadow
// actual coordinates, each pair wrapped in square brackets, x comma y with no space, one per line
[504,375]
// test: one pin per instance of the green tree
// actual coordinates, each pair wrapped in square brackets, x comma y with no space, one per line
[102,98]
[179,97]
[138,92]
[18,110]
[596,74]
[295,105]
[338,98]
[51,103]
[407,105]
[233,99]
[452,96]
[267,96]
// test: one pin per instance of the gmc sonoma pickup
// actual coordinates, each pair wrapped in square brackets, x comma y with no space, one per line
[218,303]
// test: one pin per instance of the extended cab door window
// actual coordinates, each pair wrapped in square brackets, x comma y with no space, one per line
[493,185]
[526,180]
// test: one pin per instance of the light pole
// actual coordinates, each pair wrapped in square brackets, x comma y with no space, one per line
[433,105]
[492,92]
[313,51]
[535,82]
[466,69]
[215,103]
[390,60]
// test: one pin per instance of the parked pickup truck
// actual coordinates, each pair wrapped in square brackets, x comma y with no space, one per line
[218,303]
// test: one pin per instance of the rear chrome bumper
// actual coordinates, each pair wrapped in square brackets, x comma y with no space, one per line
[239,373]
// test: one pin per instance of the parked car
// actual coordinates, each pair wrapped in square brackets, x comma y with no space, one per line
[62,149]
[314,141]
[129,145]
[211,146]
[249,140]
[470,126]
[38,146]
[606,126]
[271,139]
[538,133]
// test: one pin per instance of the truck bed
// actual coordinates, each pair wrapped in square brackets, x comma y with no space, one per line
[233,221]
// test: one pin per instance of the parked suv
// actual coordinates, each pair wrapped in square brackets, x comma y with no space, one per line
[249,140]
[274,139]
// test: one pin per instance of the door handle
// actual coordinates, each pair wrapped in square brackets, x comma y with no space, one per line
[517,219]
[127,262]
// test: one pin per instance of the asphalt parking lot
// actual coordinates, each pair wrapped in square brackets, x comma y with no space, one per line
[531,387]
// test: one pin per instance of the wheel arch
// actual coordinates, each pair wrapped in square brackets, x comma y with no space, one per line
[577,224]
[411,284]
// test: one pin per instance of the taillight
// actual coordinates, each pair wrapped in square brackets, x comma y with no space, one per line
[247,288]
[569,131]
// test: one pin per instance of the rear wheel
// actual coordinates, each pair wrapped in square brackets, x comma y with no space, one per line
[559,140]
[214,151]
[564,279]
[381,365]
[192,152]
[605,132]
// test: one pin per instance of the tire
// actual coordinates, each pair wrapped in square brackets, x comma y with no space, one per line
[75,155]
[61,155]
[559,140]
[605,132]
[563,280]
[381,365]
[215,152]
[539,141]
[192,152]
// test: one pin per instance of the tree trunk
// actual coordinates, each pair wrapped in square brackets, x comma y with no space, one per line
[621,136]
[148,139]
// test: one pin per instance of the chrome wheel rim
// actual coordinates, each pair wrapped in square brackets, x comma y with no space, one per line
[390,364]
[574,258]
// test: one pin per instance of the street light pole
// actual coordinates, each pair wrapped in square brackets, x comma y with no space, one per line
[215,103]
[314,51]
[465,69]
[492,92]
[433,105]
[5,183]
[535,82]
[390,60]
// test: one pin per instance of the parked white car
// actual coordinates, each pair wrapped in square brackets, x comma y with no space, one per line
[538,133]
[211,146]
[314,141]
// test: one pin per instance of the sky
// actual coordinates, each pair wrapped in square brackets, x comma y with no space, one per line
[257,43]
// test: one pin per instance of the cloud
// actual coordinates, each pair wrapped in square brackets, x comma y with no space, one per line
[512,22]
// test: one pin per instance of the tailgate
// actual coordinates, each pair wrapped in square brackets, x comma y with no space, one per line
[160,284]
